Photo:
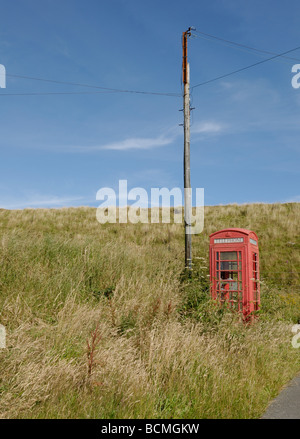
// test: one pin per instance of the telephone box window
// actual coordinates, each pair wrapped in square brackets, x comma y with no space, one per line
[256,294]
[229,271]
[228,256]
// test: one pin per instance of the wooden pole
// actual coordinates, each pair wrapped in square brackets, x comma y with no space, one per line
[187,167]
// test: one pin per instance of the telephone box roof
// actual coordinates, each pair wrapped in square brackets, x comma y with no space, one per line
[233,229]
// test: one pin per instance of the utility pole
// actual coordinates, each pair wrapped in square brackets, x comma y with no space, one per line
[187,167]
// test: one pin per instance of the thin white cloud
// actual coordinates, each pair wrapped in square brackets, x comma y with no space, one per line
[131,143]
[146,143]
[295,199]
[40,201]
[244,203]
[209,127]
[138,143]
[149,143]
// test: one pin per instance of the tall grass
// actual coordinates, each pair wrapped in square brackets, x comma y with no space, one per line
[70,287]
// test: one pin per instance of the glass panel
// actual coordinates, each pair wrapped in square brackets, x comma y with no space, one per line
[234,296]
[230,285]
[234,275]
[255,281]
[227,256]
[254,259]
[217,265]
[229,265]
[217,256]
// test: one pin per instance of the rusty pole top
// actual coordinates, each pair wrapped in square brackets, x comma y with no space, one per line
[185,36]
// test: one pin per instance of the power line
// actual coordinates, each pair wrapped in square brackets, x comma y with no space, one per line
[266,52]
[87,93]
[244,68]
[115,90]
[252,52]
[56,93]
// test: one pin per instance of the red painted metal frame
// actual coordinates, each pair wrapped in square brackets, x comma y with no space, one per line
[250,277]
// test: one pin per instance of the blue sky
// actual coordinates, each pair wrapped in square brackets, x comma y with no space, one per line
[59,149]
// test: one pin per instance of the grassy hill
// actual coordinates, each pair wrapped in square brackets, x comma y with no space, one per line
[101,323]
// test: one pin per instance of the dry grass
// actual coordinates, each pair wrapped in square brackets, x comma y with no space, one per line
[157,348]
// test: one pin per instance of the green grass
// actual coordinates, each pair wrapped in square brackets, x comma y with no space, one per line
[164,350]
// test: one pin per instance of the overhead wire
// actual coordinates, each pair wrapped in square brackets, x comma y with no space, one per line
[57,93]
[116,90]
[262,55]
[244,68]
[107,89]
[242,46]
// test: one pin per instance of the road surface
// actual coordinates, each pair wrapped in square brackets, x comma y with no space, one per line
[287,403]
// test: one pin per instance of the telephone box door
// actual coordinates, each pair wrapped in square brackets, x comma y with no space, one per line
[228,276]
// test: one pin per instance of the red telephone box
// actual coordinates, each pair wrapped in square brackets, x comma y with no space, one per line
[234,269]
